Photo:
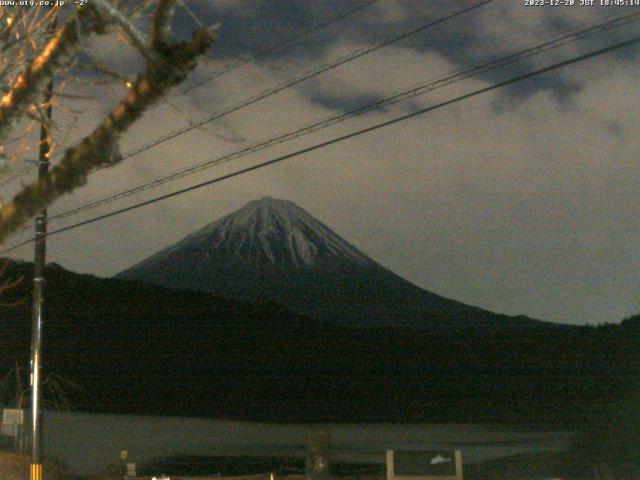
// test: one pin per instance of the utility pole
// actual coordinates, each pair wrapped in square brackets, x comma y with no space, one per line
[35,470]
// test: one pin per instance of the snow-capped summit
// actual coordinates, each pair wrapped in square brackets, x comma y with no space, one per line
[272,250]
[271,233]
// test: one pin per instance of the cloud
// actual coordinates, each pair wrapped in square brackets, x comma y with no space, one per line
[522,200]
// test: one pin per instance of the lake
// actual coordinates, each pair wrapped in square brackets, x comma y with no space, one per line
[90,443]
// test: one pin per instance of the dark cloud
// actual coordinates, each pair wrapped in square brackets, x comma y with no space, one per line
[250,27]
[465,41]
[562,91]
[344,103]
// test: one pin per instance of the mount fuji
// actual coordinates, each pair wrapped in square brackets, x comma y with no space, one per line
[272,250]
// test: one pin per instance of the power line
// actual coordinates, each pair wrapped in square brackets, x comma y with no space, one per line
[261,53]
[302,78]
[402,96]
[307,76]
[342,138]
[297,80]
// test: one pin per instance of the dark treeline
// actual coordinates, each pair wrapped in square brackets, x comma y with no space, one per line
[138,348]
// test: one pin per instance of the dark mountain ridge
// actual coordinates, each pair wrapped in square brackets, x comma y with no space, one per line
[140,348]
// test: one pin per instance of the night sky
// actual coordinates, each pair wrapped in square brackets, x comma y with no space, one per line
[523,200]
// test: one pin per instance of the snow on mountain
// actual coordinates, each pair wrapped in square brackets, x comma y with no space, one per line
[273,251]
[270,232]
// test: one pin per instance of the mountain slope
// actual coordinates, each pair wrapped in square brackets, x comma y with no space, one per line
[266,234]
[273,250]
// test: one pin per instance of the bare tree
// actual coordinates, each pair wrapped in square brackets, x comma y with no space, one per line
[32,54]
[15,390]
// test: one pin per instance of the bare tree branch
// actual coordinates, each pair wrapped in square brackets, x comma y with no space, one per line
[161,28]
[135,36]
[33,79]
[175,62]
